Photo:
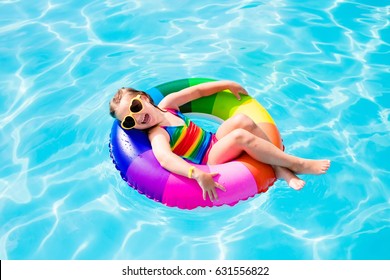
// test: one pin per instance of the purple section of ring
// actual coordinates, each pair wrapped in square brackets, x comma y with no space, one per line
[147,176]
[126,145]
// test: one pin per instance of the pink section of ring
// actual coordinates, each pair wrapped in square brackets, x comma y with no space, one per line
[234,176]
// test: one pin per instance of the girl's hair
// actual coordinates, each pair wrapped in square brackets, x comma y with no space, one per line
[126,91]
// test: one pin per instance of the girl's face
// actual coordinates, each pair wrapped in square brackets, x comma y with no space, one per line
[145,118]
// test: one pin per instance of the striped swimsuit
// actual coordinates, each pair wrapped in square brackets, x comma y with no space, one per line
[189,141]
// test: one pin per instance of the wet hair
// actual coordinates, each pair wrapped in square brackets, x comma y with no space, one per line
[114,103]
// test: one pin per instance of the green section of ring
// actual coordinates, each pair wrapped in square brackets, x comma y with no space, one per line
[173,86]
[204,104]
[201,105]
[222,104]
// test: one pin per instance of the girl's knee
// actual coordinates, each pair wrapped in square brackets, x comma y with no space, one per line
[241,136]
[243,121]
[230,146]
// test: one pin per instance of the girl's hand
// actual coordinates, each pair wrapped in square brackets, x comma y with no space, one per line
[207,183]
[236,89]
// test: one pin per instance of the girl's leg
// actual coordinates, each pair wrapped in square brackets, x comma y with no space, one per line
[241,140]
[244,122]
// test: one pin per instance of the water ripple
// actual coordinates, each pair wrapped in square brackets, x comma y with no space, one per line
[322,75]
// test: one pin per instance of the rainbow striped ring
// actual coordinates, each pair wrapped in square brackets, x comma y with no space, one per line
[243,178]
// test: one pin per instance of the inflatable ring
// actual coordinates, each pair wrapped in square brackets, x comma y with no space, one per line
[243,178]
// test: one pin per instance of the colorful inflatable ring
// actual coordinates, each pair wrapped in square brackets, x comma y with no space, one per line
[243,178]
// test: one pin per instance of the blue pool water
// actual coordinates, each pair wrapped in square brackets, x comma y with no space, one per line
[321,68]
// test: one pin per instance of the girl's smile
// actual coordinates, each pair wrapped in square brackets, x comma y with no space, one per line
[143,119]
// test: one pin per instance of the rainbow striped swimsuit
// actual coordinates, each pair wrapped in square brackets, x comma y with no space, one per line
[189,141]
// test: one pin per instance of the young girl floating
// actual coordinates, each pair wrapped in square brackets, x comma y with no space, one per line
[174,137]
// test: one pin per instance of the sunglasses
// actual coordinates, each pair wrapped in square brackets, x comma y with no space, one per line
[135,107]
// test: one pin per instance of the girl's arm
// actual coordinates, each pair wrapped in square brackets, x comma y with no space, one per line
[159,140]
[175,100]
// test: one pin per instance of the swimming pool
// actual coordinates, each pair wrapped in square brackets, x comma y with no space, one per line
[320,68]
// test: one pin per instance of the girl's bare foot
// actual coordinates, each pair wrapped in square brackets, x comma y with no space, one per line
[309,166]
[296,183]
[292,180]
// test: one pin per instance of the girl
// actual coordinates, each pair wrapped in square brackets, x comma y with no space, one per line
[174,137]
